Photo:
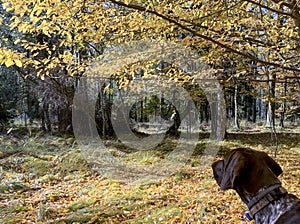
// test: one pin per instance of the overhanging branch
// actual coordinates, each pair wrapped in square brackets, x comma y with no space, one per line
[210,39]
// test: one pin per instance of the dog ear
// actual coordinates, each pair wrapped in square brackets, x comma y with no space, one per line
[234,168]
[217,168]
[276,169]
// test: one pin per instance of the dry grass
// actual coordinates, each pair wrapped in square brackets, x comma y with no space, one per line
[46,180]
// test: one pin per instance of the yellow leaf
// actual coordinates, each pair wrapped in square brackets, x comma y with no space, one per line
[6,5]
[9,62]
[18,63]
[46,32]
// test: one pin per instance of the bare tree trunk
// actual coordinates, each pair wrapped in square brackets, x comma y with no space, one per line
[29,104]
[236,108]
[271,111]
[271,114]
[271,102]
[142,111]
[254,113]
[218,115]
[103,114]
[46,122]
[283,106]
[64,119]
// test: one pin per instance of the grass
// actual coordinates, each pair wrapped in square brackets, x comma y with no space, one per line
[45,179]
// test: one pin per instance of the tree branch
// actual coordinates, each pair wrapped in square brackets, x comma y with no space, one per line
[269,8]
[210,39]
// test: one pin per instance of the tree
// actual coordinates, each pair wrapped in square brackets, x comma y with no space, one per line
[244,28]
[57,40]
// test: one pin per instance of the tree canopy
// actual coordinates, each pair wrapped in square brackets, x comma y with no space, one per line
[71,33]
[243,41]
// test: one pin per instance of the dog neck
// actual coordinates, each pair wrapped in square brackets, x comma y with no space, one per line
[250,198]
[263,198]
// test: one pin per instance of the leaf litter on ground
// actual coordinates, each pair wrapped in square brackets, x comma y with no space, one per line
[46,180]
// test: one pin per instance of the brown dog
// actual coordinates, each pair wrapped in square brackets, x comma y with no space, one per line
[253,175]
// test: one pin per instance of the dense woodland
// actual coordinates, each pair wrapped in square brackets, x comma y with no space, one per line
[46,46]
[44,51]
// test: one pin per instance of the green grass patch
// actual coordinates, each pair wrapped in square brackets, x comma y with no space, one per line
[37,166]
[80,205]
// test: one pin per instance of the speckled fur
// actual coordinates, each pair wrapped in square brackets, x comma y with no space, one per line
[271,213]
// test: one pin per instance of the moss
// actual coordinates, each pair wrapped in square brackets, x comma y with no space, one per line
[80,205]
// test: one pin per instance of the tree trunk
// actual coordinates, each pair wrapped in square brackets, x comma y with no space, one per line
[218,115]
[29,103]
[64,120]
[236,108]
[282,114]
[46,122]
[142,111]
[271,110]
[271,102]
[206,111]
[254,113]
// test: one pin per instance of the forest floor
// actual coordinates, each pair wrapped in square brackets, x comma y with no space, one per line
[45,179]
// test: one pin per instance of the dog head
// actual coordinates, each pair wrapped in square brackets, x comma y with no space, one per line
[246,169]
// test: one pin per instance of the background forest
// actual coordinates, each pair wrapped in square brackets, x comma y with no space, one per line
[46,47]
[251,47]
